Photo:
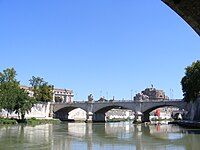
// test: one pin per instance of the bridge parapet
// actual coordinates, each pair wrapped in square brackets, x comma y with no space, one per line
[116,101]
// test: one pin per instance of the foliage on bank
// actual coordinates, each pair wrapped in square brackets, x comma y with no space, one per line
[191,82]
[7,121]
[15,99]
[119,120]
[12,97]
[35,121]
[31,121]
[43,92]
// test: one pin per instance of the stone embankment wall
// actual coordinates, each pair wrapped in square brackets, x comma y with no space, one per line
[39,111]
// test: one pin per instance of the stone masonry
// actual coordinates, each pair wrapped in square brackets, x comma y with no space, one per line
[189,10]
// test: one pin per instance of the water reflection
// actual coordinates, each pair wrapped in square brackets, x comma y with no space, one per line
[25,137]
[99,136]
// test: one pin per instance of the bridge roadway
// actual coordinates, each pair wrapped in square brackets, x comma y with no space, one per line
[96,110]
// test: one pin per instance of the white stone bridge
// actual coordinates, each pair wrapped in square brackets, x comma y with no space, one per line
[96,110]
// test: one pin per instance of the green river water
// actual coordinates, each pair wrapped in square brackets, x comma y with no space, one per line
[99,136]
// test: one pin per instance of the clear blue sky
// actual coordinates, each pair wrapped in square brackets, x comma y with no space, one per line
[103,47]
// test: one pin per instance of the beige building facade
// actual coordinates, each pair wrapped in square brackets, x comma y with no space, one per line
[59,95]
[63,95]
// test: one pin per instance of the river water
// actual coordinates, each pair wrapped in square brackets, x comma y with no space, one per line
[99,136]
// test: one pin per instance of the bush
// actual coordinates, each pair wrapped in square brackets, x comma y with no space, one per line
[7,121]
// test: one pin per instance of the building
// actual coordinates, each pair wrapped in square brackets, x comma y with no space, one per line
[28,89]
[120,114]
[59,95]
[151,94]
[63,95]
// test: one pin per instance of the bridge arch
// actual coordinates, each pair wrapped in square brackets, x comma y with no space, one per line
[155,105]
[189,10]
[67,109]
[63,113]
[104,107]
[159,106]
[107,108]
[99,114]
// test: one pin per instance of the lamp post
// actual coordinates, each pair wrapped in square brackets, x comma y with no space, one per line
[131,94]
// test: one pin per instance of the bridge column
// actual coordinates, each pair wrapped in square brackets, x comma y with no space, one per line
[89,116]
[145,117]
[51,114]
[138,117]
[99,117]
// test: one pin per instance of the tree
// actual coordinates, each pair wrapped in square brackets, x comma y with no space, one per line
[42,91]
[8,89]
[191,82]
[36,83]
[24,103]
[12,97]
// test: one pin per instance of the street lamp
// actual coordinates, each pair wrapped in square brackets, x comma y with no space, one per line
[131,94]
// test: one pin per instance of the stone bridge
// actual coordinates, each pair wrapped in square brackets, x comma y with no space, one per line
[96,110]
[189,10]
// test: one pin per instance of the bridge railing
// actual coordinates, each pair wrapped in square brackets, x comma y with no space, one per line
[119,101]
[70,102]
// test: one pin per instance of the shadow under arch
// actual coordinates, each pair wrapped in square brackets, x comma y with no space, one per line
[63,113]
[99,115]
[189,10]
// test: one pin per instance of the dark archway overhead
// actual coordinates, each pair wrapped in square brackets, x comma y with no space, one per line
[189,10]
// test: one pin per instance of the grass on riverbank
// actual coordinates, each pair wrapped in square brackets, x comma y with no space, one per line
[118,120]
[32,121]
[7,121]
[41,121]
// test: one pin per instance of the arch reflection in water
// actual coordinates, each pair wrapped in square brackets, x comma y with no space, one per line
[98,136]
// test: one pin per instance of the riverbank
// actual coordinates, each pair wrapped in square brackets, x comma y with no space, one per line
[34,121]
[187,123]
[7,121]
[119,120]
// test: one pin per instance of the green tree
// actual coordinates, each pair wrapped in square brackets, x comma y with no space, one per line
[24,103]
[42,91]
[191,82]
[36,83]
[12,97]
[8,89]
